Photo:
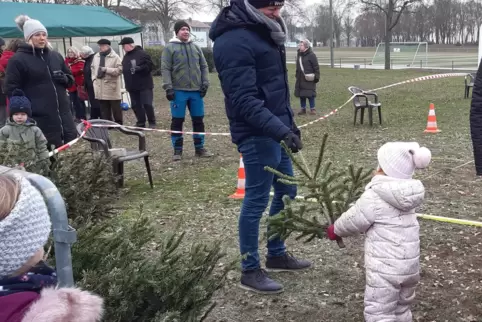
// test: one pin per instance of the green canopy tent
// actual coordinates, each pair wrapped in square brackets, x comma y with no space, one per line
[65,21]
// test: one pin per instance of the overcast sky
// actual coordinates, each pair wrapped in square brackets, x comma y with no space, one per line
[207,17]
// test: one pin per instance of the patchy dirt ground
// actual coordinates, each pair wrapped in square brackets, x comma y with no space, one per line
[194,194]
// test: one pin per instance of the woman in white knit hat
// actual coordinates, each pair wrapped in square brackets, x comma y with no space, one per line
[28,289]
[42,75]
[386,214]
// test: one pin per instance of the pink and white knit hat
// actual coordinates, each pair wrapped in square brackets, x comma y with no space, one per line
[400,159]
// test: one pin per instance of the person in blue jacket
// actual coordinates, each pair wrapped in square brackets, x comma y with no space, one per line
[250,58]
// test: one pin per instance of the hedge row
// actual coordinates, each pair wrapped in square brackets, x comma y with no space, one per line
[156,51]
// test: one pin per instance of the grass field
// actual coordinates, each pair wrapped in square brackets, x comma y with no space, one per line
[443,58]
[193,193]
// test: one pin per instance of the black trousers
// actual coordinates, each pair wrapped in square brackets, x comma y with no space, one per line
[111,108]
[142,106]
[94,104]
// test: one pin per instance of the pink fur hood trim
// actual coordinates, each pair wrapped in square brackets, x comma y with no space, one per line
[65,305]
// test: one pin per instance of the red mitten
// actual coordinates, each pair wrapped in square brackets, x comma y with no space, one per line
[330,231]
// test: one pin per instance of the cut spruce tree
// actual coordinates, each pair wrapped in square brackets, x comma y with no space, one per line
[330,194]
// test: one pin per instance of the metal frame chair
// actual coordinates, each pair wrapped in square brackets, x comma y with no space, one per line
[361,102]
[469,80]
[100,141]
[63,234]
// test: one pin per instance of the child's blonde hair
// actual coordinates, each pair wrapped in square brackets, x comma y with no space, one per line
[9,191]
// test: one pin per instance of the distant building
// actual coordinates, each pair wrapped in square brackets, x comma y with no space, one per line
[152,31]
[200,32]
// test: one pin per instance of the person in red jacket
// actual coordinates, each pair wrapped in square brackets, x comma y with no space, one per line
[5,54]
[76,64]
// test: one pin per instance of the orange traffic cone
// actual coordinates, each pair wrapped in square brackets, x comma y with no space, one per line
[431,121]
[239,194]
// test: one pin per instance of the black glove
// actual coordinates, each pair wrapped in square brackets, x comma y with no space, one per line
[204,90]
[293,142]
[316,80]
[59,77]
[170,95]
[296,131]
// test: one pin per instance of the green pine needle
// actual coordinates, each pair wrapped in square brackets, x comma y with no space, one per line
[334,192]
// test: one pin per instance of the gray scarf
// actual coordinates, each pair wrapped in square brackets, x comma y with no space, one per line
[277,28]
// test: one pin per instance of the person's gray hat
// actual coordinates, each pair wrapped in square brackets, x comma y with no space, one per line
[126,41]
[25,230]
[29,26]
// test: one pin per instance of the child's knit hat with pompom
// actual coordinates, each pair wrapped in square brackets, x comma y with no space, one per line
[19,103]
[400,159]
[29,26]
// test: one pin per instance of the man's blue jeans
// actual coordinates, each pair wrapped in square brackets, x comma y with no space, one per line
[259,152]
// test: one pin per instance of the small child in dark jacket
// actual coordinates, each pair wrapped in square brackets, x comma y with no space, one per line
[22,133]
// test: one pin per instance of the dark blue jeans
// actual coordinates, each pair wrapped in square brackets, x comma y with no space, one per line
[259,152]
[303,102]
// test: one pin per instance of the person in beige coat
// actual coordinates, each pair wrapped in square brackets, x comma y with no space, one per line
[386,214]
[106,76]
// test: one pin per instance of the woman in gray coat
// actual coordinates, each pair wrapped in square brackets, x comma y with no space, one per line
[307,75]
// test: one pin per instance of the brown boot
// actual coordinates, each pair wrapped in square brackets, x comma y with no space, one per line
[203,153]
[302,112]
[313,112]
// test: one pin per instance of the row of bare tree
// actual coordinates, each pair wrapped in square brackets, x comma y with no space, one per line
[440,22]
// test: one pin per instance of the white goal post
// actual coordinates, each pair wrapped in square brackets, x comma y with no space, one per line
[406,53]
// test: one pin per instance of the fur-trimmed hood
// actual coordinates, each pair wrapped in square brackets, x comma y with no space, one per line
[64,305]
[176,40]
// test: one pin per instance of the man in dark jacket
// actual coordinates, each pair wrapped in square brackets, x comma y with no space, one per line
[44,78]
[87,54]
[137,67]
[250,58]
[476,121]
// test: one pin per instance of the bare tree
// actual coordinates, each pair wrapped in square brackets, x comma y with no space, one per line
[77,2]
[348,28]
[217,5]
[392,10]
[322,24]
[168,11]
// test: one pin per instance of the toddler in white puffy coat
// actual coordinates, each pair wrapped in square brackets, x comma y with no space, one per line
[386,214]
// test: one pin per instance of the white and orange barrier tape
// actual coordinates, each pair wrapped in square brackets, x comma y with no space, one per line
[413,80]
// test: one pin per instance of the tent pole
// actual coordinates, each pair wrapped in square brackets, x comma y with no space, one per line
[70,39]
[65,46]
[142,41]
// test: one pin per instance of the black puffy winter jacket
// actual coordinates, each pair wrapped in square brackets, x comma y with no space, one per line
[31,71]
[253,75]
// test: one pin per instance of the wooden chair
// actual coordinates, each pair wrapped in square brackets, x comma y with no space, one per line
[100,141]
[469,83]
[361,102]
